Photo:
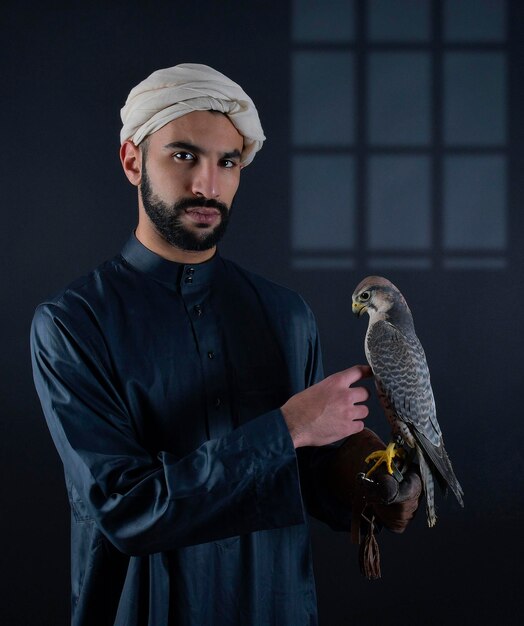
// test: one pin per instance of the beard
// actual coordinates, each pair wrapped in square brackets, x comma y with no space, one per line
[166,218]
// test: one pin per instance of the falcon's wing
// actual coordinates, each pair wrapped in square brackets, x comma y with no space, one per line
[400,366]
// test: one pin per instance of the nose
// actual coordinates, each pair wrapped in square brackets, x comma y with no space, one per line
[205,182]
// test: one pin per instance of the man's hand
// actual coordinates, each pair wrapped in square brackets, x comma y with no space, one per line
[328,411]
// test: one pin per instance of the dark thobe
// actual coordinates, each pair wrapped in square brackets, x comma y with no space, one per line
[161,384]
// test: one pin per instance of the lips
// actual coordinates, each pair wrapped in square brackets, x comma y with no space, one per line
[203,215]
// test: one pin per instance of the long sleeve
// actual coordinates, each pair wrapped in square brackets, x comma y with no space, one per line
[244,481]
[161,385]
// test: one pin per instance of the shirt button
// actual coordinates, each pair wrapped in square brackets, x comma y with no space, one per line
[188,279]
[218,402]
[198,310]
[210,355]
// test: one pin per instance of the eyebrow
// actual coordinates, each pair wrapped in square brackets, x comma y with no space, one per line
[184,145]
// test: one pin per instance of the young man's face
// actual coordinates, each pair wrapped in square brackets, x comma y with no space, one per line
[190,174]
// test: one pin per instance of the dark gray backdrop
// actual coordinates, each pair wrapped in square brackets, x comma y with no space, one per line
[66,69]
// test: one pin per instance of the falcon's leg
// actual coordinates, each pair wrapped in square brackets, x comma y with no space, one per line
[385,456]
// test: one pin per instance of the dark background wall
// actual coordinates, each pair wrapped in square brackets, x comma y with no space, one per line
[66,68]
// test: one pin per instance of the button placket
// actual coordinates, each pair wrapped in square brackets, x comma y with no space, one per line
[208,338]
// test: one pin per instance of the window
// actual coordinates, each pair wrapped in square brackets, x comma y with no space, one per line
[399,134]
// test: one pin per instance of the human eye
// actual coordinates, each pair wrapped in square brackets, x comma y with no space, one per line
[184,156]
[229,163]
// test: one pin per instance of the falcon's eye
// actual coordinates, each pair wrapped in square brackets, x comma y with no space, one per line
[364,296]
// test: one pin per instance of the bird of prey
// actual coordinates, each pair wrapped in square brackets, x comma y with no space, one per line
[399,365]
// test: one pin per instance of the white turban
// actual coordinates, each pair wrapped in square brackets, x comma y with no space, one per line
[176,91]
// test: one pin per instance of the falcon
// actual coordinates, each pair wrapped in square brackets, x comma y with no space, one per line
[402,379]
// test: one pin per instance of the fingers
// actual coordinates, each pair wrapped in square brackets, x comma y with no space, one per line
[360,371]
[329,410]
[343,380]
[354,374]
[354,396]
[357,412]
[358,426]
[358,394]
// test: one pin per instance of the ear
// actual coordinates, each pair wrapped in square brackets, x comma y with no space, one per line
[131,159]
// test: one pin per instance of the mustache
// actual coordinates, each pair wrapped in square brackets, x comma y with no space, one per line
[193,203]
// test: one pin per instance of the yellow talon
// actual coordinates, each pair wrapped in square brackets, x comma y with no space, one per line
[384,456]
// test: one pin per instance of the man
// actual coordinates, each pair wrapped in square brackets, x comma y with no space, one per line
[183,393]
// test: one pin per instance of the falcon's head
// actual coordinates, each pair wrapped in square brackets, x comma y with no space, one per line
[380,299]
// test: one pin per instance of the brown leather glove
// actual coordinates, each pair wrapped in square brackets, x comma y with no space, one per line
[381,498]
[393,503]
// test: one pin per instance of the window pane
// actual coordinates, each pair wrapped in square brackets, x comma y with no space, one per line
[315,20]
[401,20]
[399,99]
[475,203]
[475,20]
[399,203]
[323,202]
[474,98]
[323,98]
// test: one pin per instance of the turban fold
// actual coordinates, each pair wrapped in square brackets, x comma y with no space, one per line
[175,91]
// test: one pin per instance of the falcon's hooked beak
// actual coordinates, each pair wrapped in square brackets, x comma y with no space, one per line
[358,308]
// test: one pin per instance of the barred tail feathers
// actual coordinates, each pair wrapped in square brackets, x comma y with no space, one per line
[439,458]
[429,487]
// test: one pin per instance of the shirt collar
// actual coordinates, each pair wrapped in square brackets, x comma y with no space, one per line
[170,272]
